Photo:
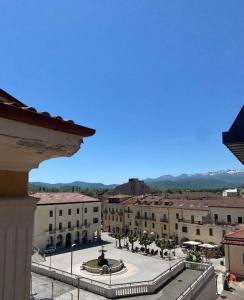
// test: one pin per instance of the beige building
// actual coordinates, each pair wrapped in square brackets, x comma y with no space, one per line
[207,219]
[63,219]
[234,252]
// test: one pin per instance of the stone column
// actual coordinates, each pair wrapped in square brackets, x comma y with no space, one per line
[23,146]
[16,230]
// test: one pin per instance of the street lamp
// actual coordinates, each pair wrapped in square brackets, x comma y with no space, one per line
[110,275]
[71,262]
[50,256]
[78,277]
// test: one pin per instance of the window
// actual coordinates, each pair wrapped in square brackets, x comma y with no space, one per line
[184,229]
[153,216]
[69,211]
[95,220]
[77,223]
[50,213]
[78,211]
[69,224]
[211,231]
[128,216]
[95,209]
[50,227]
[86,210]
[177,216]
[243,258]
[60,212]
[197,231]
[229,218]
[85,222]
[113,218]
[60,226]
[216,217]
[192,219]
[153,225]
[116,218]
[165,227]
[120,219]
[145,214]
[145,223]
[176,226]
[240,220]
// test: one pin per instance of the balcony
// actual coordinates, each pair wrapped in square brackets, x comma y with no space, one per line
[191,222]
[164,220]
[49,232]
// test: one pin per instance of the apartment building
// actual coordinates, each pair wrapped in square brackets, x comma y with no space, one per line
[206,219]
[62,219]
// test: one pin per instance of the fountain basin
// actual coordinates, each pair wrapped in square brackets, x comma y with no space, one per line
[113,266]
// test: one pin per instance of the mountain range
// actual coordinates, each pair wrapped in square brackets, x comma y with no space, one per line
[209,180]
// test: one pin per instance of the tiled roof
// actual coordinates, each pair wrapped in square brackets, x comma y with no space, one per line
[63,198]
[234,238]
[13,109]
[186,203]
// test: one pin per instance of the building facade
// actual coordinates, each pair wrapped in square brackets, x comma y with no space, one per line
[205,220]
[234,252]
[63,219]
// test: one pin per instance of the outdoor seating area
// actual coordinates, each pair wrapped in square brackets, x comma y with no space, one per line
[195,251]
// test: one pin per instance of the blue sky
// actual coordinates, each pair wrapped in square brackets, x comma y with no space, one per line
[158,80]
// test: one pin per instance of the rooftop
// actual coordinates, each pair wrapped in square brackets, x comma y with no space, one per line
[13,109]
[183,202]
[63,198]
[234,138]
[234,238]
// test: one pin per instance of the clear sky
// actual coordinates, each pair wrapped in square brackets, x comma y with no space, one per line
[159,81]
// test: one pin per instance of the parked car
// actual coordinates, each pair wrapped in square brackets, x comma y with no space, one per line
[49,250]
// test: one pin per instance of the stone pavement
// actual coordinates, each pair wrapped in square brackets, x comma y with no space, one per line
[136,264]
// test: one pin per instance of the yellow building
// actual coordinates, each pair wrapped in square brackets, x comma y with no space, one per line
[181,219]
[63,219]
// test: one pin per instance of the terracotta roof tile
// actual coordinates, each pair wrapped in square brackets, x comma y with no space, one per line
[13,109]
[63,198]
[234,238]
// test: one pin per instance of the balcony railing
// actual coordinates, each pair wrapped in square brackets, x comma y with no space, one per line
[164,220]
[191,222]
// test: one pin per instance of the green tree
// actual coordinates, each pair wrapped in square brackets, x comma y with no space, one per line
[132,239]
[119,237]
[145,241]
[161,243]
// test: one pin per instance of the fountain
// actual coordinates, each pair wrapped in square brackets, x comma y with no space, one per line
[101,265]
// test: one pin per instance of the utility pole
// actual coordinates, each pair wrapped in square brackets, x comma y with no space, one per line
[50,265]
[71,262]
[52,289]
[78,298]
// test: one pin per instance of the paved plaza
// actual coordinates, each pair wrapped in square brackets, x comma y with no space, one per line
[138,266]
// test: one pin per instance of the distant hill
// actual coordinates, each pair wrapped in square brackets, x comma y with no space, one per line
[209,180]
[198,181]
[79,184]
